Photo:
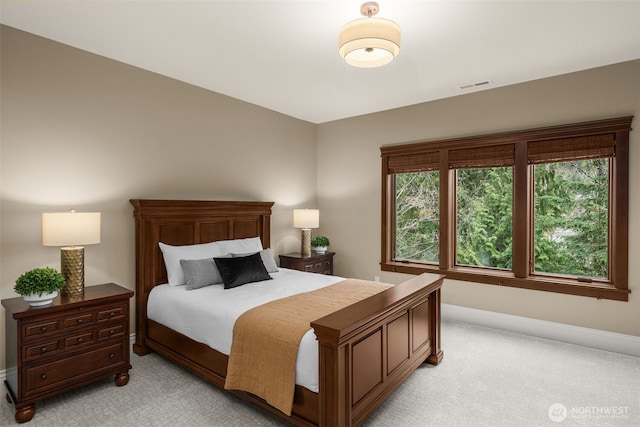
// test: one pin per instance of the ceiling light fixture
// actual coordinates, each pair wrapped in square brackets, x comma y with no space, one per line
[369,42]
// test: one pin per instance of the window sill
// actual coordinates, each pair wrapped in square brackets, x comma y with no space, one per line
[506,278]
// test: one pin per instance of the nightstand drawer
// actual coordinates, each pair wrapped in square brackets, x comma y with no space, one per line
[46,348]
[42,328]
[111,332]
[80,320]
[112,313]
[76,340]
[321,266]
[53,374]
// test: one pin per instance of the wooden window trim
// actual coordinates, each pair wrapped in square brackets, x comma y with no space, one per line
[521,275]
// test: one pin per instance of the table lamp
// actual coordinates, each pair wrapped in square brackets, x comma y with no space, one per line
[70,230]
[306,219]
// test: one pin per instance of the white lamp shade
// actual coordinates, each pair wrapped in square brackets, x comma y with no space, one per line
[306,218]
[70,228]
[369,42]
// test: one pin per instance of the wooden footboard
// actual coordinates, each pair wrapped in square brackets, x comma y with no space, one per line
[369,348]
[366,350]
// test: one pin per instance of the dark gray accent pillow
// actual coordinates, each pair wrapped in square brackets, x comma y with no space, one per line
[267,259]
[241,270]
[199,273]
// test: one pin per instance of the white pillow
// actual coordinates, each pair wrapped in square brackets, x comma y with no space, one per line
[173,254]
[267,259]
[240,246]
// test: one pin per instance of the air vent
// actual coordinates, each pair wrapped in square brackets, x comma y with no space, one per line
[478,84]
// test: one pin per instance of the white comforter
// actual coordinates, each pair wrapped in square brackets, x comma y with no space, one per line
[207,315]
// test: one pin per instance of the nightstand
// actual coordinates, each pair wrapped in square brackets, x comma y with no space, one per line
[70,343]
[316,263]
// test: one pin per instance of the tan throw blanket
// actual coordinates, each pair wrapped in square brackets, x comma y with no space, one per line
[266,339]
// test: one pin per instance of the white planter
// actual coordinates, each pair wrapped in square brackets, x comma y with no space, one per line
[36,300]
[320,249]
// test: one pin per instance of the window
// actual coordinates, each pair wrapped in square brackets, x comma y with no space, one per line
[571,218]
[483,217]
[417,216]
[543,209]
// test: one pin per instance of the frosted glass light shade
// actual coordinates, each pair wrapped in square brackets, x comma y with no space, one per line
[369,42]
[306,218]
[70,228]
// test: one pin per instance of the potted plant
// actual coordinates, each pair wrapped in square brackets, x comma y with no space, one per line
[40,285]
[319,244]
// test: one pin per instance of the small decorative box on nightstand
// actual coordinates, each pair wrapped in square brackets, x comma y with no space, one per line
[316,263]
[72,342]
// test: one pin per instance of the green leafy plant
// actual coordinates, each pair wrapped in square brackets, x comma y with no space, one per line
[39,281]
[320,241]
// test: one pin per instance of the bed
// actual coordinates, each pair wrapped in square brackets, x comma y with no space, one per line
[365,351]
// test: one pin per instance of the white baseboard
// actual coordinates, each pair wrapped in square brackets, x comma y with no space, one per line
[595,338]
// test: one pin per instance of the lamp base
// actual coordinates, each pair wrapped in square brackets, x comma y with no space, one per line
[72,266]
[305,246]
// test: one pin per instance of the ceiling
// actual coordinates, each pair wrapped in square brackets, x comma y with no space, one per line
[283,55]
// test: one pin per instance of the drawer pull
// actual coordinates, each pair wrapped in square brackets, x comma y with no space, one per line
[111,332]
[80,321]
[112,355]
[43,376]
[79,340]
[112,314]
[43,350]
[43,329]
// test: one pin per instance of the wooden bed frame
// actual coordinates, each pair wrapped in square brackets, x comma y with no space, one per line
[366,350]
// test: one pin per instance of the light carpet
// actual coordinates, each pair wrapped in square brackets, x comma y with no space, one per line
[488,377]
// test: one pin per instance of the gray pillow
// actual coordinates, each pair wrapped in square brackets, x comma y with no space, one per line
[199,273]
[267,259]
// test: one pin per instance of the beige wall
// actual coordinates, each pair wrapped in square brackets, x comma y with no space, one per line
[349,181]
[81,131]
[78,130]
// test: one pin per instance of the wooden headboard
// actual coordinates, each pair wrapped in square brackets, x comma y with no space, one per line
[187,222]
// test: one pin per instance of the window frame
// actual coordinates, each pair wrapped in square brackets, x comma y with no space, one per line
[412,157]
